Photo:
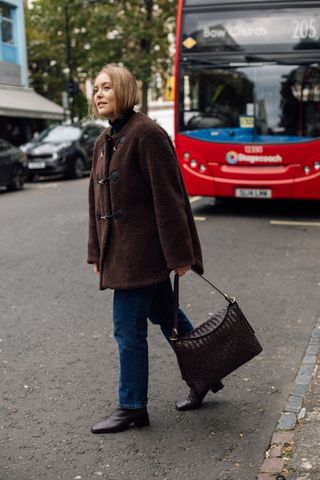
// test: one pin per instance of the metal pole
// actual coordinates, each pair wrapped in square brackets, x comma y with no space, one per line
[69,63]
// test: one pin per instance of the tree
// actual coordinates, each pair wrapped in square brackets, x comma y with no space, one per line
[146,25]
[132,33]
[46,39]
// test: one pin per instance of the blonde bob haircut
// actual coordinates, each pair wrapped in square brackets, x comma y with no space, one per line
[125,88]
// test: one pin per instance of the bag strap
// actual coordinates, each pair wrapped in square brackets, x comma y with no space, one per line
[175,333]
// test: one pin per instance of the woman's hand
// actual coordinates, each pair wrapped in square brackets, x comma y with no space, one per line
[182,270]
[96,269]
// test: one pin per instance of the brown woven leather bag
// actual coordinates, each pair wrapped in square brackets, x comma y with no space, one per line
[217,347]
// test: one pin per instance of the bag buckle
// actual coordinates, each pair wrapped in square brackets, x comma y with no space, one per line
[230,299]
[174,335]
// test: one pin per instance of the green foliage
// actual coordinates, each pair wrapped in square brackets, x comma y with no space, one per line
[132,33]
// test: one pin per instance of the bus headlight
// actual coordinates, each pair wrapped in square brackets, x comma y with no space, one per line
[186,156]
[202,168]
[307,170]
[316,165]
[193,163]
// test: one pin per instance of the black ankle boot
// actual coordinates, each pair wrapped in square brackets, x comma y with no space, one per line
[217,386]
[194,399]
[121,419]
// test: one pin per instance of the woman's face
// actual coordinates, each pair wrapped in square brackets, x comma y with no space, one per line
[103,96]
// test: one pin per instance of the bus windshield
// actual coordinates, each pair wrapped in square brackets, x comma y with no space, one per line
[263,102]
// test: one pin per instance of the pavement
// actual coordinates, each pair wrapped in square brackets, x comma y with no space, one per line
[293,453]
[59,361]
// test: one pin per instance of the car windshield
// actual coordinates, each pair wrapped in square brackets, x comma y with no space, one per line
[255,102]
[61,133]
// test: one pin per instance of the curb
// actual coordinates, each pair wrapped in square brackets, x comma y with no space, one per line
[281,444]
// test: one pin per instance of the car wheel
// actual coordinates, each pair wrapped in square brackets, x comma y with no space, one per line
[18,179]
[76,169]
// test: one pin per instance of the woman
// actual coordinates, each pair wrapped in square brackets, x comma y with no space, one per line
[140,229]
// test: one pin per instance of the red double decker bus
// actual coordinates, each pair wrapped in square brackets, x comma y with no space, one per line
[247,100]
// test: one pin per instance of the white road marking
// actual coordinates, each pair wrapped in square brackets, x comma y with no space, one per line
[194,199]
[292,223]
[197,219]
[47,185]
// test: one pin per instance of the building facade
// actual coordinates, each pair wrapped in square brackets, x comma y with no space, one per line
[22,110]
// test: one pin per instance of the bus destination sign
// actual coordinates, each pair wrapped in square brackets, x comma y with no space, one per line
[293,30]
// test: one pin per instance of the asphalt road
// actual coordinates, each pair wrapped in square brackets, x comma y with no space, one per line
[58,360]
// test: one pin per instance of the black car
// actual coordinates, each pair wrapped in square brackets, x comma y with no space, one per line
[13,166]
[62,149]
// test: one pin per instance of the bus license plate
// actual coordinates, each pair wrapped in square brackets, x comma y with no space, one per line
[253,193]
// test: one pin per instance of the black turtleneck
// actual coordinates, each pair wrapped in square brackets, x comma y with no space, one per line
[119,123]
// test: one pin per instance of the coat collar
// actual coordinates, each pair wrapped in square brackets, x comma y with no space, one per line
[119,123]
[117,136]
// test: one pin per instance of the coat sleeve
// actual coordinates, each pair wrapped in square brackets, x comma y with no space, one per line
[93,242]
[161,171]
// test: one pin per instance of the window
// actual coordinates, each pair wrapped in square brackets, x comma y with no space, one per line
[93,132]
[263,102]
[6,23]
[6,31]
[5,10]
[60,133]
[8,49]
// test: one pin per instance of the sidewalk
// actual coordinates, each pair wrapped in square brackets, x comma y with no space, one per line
[294,452]
[305,461]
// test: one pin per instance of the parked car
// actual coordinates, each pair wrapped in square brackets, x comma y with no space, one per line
[62,149]
[13,166]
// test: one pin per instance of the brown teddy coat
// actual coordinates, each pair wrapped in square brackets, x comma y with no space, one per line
[140,220]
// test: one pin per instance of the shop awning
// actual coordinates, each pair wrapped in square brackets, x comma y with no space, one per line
[25,102]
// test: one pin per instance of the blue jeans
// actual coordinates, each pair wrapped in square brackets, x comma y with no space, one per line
[131,309]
